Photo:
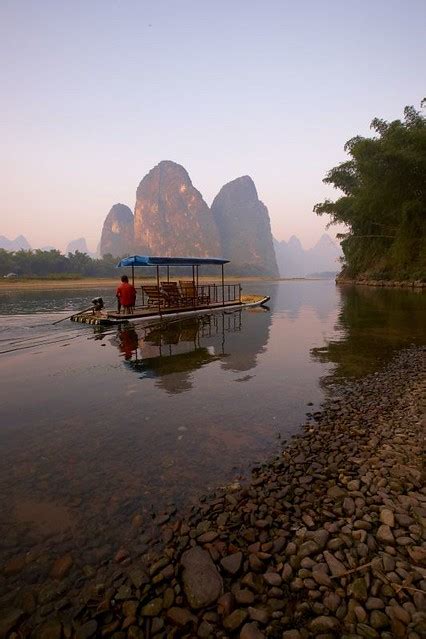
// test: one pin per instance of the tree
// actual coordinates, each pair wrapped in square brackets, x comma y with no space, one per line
[384,200]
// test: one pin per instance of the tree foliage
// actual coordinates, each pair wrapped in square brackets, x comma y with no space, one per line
[40,263]
[384,200]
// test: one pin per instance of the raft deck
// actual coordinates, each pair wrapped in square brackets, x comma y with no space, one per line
[109,317]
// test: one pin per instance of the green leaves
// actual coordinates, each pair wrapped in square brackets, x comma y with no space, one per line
[384,198]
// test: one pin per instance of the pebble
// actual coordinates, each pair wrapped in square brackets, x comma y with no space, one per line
[384,535]
[337,568]
[180,617]
[233,621]
[387,517]
[232,563]
[251,631]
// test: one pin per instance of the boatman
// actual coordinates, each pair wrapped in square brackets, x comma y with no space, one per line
[126,295]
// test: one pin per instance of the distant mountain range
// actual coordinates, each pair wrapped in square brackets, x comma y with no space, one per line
[21,243]
[294,261]
[17,244]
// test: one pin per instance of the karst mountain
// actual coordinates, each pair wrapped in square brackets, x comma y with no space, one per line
[172,218]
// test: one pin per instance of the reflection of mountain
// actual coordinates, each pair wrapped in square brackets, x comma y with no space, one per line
[372,324]
[249,343]
[291,297]
[171,352]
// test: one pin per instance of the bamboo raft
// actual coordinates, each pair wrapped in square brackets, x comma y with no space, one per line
[110,317]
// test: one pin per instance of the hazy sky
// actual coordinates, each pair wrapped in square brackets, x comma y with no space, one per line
[96,92]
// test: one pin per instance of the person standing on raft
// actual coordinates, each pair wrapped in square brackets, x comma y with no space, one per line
[126,295]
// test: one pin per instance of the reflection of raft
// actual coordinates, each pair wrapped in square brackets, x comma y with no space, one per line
[176,363]
[106,318]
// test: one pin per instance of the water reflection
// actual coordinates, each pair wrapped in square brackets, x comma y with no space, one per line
[170,352]
[371,324]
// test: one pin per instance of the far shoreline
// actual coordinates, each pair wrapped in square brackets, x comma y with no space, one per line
[22,284]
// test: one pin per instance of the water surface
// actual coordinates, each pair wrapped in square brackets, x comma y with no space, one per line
[97,426]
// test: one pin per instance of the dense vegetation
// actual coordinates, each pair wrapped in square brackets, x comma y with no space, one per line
[384,200]
[52,263]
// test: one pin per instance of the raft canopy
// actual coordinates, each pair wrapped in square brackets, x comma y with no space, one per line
[147,260]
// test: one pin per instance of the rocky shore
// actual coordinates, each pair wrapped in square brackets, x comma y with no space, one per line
[362,281]
[325,540]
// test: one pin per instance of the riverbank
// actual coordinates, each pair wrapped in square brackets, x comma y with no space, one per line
[325,540]
[414,284]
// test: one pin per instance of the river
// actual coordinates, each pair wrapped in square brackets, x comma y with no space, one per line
[100,429]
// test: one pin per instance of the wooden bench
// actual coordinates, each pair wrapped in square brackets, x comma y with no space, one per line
[155,296]
[173,294]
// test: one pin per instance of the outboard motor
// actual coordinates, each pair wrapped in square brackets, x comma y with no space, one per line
[98,303]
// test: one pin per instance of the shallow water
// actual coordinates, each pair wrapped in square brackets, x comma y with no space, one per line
[97,426]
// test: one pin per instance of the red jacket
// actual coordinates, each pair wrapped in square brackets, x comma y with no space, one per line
[126,293]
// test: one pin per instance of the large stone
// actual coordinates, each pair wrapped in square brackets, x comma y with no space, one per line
[171,217]
[245,228]
[201,580]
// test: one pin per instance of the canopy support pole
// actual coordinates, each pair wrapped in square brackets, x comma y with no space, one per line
[194,301]
[133,275]
[223,287]
[158,288]
[168,274]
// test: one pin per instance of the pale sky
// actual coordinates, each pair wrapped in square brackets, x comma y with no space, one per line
[95,93]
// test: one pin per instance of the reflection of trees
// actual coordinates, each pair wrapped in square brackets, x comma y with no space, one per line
[372,323]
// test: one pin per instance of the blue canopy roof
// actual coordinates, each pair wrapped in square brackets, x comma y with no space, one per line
[147,260]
